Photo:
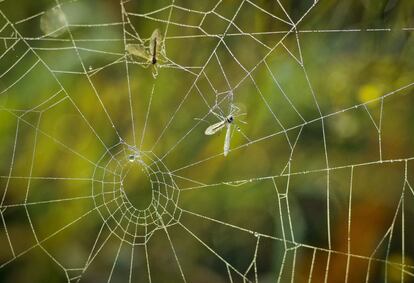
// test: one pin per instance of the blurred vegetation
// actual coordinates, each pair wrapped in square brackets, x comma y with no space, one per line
[76,122]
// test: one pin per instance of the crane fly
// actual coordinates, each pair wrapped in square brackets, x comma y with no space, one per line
[152,52]
[225,122]
[155,45]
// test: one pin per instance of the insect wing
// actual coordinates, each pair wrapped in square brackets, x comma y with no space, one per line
[227,140]
[155,42]
[211,130]
[53,22]
[137,50]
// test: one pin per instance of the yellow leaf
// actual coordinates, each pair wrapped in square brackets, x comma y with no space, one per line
[368,93]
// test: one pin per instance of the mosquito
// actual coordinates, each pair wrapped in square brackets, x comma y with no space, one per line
[151,53]
[225,122]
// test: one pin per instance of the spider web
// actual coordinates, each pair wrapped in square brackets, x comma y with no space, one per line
[316,186]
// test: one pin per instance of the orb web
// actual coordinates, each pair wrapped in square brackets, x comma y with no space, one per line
[130,223]
[106,174]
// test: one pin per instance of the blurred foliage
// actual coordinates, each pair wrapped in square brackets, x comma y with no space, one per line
[345,75]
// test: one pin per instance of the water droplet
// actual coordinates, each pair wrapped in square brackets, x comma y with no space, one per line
[131,158]
[256,234]
[90,68]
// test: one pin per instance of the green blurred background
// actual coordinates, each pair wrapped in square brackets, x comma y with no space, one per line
[72,112]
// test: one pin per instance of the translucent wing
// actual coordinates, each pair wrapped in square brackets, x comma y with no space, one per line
[227,140]
[53,22]
[156,42]
[138,50]
[211,130]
